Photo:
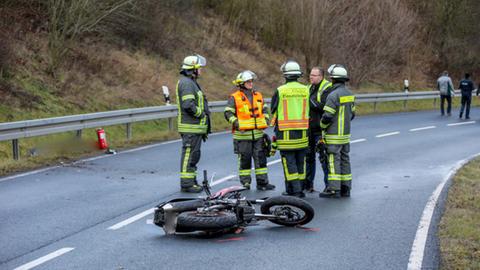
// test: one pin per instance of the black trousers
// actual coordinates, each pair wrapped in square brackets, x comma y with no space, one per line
[449,103]
[293,162]
[312,162]
[191,144]
[246,151]
[466,101]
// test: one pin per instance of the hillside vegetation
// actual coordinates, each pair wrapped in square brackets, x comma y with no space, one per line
[61,56]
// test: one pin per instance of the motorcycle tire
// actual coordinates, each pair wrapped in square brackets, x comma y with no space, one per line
[190,221]
[268,208]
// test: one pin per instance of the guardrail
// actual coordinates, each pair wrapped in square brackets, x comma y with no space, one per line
[31,128]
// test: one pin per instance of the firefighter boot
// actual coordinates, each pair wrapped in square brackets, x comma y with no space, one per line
[297,188]
[192,189]
[330,193]
[345,191]
[265,187]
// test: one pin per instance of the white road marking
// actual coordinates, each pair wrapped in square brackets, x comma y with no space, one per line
[27,173]
[422,128]
[149,221]
[387,134]
[274,162]
[131,220]
[150,211]
[219,181]
[418,247]
[359,140]
[461,123]
[44,259]
[101,157]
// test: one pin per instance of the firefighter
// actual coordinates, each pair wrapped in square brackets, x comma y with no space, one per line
[248,114]
[193,120]
[290,108]
[317,87]
[339,110]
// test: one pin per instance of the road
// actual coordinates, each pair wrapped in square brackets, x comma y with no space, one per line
[96,213]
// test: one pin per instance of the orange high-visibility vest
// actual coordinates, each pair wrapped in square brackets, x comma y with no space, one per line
[249,117]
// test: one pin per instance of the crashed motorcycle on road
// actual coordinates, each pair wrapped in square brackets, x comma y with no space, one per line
[228,211]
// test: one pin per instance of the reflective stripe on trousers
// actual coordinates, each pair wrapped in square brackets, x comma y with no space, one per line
[191,144]
[339,166]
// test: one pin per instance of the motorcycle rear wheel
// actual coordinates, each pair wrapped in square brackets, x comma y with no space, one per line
[299,211]
[190,221]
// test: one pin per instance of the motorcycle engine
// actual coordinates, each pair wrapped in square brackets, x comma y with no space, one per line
[245,213]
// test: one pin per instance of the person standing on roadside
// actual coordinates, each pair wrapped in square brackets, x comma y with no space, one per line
[445,86]
[193,120]
[290,109]
[336,130]
[467,87]
[248,114]
[318,85]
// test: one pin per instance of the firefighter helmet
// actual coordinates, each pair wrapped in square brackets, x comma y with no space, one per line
[244,76]
[194,62]
[291,68]
[338,72]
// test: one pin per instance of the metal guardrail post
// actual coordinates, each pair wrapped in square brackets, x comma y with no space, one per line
[170,124]
[374,106]
[405,104]
[16,149]
[79,134]
[434,102]
[129,130]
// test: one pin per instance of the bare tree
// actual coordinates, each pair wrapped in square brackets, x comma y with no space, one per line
[70,18]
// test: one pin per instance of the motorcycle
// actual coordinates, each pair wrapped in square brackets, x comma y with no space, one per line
[228,211]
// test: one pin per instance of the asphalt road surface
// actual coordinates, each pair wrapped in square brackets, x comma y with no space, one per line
[96,213]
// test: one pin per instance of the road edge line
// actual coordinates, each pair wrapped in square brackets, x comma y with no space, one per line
[417,251]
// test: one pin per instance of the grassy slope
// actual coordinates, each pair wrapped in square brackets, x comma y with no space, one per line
[459,229]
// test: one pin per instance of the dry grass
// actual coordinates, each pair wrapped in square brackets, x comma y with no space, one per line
[459,229]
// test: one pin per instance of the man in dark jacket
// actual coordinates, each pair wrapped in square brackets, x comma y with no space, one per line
[193,121]
[317,87]
[466,86]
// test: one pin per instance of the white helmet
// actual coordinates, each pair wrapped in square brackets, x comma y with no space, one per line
[194,62]
[291,68]
[338,72]
[244,76]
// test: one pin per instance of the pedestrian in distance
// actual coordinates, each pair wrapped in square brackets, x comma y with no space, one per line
[248,114]
[318,86]
[445,86]
[335,124]
[467,87]
[290,108]
[193,120]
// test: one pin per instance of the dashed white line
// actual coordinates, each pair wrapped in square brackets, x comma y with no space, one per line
[387,134]
[131,220]
[219,181]
[44,259]
[358,140]
[151,210]
[273,162]
[422,128]
[461,123]
[418,247]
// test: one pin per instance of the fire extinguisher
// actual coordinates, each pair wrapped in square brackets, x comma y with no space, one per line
[102,139]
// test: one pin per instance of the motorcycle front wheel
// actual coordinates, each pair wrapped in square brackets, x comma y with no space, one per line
[190,221]
[290,211]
